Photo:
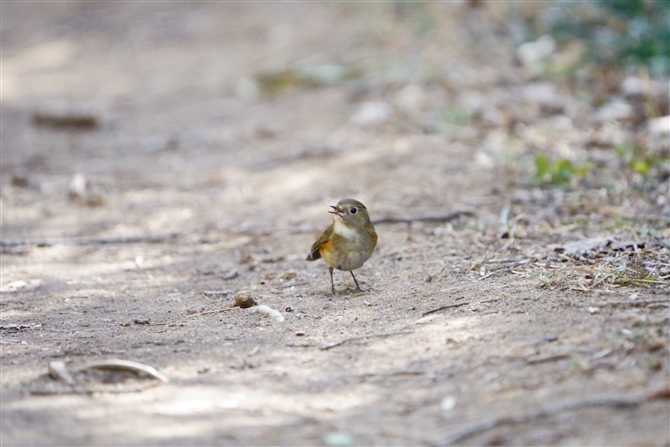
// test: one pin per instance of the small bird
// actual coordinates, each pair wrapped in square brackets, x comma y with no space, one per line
[348,242]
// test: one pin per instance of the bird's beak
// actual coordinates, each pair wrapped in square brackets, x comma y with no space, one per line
[336,210]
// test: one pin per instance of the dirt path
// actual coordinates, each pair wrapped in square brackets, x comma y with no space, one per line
[212,169]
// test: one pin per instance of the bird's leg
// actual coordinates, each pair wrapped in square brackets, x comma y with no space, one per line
[358,288]
[332,285]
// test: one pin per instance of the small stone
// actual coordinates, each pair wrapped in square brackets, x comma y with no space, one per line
[77,189]
[230,274]
[617,110]
[448,403]
[412,99]
[247,89]
[13,286]
[339,439]
[531,53]
[20,178]
[544,94]
[372,113]
[484,160]
[244,299]
[95,200]
[659,126]
[632,86]
[320,75]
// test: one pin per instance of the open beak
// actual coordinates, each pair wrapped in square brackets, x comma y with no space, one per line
[336,210]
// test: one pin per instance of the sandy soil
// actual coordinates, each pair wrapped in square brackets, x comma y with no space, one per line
[197,182]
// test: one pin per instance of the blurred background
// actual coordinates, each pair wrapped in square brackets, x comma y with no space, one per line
[248,117]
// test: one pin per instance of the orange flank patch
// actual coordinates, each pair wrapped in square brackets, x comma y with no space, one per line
[327,247]
[327,252]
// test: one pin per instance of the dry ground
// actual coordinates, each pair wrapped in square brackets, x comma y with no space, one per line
[197,182]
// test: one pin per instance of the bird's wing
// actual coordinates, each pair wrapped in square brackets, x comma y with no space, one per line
[321,240]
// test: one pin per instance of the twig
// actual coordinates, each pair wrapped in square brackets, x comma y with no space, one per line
[394,373]
[649,281]
[436,218]
[301,283]
[362,337]
[629,303]
[217,292]
[489,274]
[126,365]
[547,358]
[448,306]
[299,345]
[514,264]
[596,401]
[215,311]
[490,271]
[48,242]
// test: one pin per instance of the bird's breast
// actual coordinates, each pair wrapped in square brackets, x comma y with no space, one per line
[348,248]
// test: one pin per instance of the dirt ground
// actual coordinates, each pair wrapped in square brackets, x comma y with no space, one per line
[221,134]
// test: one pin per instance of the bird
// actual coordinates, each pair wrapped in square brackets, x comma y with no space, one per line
[348,242]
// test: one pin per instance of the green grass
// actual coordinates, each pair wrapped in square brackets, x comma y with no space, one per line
[559,172]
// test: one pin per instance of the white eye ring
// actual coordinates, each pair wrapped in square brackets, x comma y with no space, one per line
[353,210]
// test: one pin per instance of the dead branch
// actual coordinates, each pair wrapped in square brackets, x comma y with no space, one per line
[448,306]
[49,242]
[436,218]
[363,337]
[595,401]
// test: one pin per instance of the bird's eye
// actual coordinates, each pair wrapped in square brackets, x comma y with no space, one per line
[353,210]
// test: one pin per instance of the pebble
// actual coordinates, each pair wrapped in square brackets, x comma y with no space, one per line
[372,113]
[659,126]
[530,53]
